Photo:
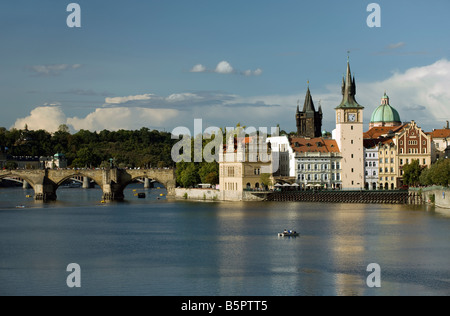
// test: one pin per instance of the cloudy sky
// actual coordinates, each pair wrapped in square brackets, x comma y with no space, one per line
[162,64]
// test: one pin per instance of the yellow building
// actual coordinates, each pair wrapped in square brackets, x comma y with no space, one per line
[388,164]
[242,165]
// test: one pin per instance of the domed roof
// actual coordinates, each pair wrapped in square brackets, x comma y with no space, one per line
[385,113]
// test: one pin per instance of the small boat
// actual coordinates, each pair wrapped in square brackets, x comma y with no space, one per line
[20,206]
[289,233]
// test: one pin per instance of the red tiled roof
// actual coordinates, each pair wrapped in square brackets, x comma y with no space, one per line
[371,143]
[376,132]
[302,145]
[440,133]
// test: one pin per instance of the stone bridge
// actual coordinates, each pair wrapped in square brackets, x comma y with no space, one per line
[112,181]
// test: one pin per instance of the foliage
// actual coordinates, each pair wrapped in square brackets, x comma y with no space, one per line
[140,148]
[437,174]
[412,172]
[265,179]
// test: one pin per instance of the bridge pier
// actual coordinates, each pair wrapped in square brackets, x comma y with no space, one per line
[86,183]
[147,183]
[44,192]
[26,185]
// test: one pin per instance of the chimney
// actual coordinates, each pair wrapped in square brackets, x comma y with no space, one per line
[448,127]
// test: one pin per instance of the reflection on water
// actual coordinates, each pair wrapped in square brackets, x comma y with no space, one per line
[164,247]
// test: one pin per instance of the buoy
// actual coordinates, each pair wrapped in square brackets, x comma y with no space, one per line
[161,194]
[102,202]
[134,190]
[28,196]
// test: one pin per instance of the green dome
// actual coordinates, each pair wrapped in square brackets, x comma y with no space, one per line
[385,113]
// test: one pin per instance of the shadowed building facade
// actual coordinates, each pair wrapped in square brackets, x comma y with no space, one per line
[309,121]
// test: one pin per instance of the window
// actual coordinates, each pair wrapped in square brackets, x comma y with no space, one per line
[424,161]
[386,160]
[352,141]
[374,173]
[352,170]
[352,129]
[392,160]
[392,170]
[401,162]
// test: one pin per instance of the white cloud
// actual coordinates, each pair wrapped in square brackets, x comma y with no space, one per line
[123,118]
[52,70]
[396,45]
[120,100]
[44,117]
[224,67]
[182,97]
[198,68]
[258,72]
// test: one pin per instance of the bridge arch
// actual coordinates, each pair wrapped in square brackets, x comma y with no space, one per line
[78,174]
[13,175]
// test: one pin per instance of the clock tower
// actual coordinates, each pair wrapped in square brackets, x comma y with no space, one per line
[349,135]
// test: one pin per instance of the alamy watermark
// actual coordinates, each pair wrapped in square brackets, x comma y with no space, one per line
[374,278]
[74,278]
[248,143]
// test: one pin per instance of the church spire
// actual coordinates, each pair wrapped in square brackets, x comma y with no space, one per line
[349,90]
[309,104]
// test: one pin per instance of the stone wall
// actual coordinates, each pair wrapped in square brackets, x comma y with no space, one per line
[215,195]
[198,194]
[441,195]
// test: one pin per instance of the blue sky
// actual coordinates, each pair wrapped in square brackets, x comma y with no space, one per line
[131,63]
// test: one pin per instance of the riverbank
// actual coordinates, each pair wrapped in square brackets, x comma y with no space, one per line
[437,195]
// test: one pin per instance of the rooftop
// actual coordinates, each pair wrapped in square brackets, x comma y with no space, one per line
[302,145]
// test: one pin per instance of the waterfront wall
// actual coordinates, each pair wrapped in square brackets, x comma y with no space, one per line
[215,195]
[441,195]
[197,194]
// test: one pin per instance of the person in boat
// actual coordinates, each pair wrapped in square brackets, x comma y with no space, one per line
[285,231]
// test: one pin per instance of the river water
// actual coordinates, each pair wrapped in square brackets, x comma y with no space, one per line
[163,247]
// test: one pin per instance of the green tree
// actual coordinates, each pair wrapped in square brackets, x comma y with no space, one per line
[412,172]
[266,180]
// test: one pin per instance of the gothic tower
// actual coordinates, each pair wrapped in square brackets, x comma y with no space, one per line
[349,135]
[309,121]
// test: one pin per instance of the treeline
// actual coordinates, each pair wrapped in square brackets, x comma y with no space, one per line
[437,174]
[140,148]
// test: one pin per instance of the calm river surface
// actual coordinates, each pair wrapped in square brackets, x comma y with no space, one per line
[165,247]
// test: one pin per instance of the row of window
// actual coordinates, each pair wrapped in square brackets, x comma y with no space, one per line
[334,166]
[318,177]
[414,142]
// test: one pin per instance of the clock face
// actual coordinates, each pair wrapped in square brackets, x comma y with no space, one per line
[352,117]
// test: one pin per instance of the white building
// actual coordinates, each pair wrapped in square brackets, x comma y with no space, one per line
[371,164]
[317,163]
